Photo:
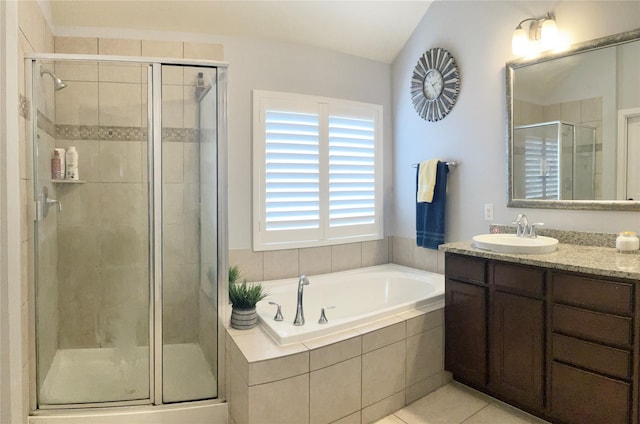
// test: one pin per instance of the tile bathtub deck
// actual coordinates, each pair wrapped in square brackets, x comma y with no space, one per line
[458,404]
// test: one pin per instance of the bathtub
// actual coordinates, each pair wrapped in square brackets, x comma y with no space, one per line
[357,297]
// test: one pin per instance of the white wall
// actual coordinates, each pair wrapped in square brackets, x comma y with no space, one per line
[478,34]
[265,65]
[12,403]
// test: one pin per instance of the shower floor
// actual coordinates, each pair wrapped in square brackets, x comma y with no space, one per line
[112,374]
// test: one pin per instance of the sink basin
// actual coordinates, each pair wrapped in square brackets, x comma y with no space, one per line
[510,243]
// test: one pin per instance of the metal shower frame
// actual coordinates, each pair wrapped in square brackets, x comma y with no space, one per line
[154,139]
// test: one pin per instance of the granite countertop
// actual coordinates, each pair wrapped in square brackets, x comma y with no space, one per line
[602,261]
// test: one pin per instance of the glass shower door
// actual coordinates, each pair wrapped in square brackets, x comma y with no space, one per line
[92,234]
[189,222]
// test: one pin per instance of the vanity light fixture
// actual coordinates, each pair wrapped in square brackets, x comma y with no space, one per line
[541,35]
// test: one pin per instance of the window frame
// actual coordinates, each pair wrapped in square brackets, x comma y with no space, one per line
[325,235]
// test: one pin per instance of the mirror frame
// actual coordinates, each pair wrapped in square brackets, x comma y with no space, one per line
[610,205]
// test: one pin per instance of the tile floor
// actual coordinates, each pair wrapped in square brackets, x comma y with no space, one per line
[458,404]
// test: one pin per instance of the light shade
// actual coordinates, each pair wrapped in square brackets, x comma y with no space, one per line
[549,33]
[541,36]
[519,42]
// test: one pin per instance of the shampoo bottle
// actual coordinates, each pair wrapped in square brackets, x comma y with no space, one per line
[56,172]
[72,163]
[61,155]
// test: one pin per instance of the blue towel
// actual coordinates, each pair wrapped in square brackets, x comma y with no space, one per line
[430,216]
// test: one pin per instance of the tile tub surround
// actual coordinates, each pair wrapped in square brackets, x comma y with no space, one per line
[289,263]
[364,373]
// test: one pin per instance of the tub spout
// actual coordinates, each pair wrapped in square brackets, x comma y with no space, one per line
[303,281]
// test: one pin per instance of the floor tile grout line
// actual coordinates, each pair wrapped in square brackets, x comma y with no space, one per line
[475,413]
[406,422]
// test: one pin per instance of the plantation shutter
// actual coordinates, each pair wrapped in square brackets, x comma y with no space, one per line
[351,171]
[542,177]
[317,171]
[292,192]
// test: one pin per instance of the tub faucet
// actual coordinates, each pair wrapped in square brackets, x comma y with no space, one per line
[303,281]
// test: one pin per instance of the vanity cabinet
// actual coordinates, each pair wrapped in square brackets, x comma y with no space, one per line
[591,349]
[466,297]
[561,345]
[516,335]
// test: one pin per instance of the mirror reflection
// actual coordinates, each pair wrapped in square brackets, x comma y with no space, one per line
[575,126]
[555,160]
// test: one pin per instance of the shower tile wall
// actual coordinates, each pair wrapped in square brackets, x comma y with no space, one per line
[35,36]
[103,230]
[118,103]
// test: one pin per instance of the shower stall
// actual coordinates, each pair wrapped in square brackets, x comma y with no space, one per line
[555,160]
[129,257]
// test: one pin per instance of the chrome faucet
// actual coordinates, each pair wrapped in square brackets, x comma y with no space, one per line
[522,225]
[302,281]
[523,228]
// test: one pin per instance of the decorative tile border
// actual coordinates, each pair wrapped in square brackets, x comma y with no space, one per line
[23,106]
[520,150]
[184,135]
[46,124]
[589,148]
[97,132]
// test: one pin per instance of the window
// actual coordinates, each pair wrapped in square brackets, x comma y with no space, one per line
[317,171]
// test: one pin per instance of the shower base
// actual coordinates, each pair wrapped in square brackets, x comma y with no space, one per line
[96,375]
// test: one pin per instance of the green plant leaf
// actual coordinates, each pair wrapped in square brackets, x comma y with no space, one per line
[244,295]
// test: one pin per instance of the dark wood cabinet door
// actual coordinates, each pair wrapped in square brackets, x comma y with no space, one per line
[466,332]
[582,397]
[517,349]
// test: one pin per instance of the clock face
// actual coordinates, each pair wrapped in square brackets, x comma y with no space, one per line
[432,85]
[435,84]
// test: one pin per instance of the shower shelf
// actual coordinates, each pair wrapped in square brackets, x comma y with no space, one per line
[68,181]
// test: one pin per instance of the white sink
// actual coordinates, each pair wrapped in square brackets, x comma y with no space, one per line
[510,243]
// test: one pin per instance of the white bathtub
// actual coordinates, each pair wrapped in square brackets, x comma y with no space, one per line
[359,296]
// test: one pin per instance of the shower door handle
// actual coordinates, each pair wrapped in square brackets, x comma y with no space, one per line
[51,202]
[45,202]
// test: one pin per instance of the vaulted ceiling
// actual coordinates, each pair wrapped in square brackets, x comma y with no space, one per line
[371,29]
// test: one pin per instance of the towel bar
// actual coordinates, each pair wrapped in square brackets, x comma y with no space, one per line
[453,163]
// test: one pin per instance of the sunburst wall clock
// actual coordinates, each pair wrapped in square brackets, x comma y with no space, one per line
[435,84]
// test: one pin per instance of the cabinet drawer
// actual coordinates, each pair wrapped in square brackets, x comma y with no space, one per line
[519,278]
[592,325]
[607,360]
[582,397]
[465,268]
[600,295]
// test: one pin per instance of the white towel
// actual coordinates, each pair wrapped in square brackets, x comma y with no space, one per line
[426,180]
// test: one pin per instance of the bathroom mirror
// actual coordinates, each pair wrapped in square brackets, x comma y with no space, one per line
[574,127]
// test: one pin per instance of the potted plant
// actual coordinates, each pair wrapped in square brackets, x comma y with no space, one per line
[243,298]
